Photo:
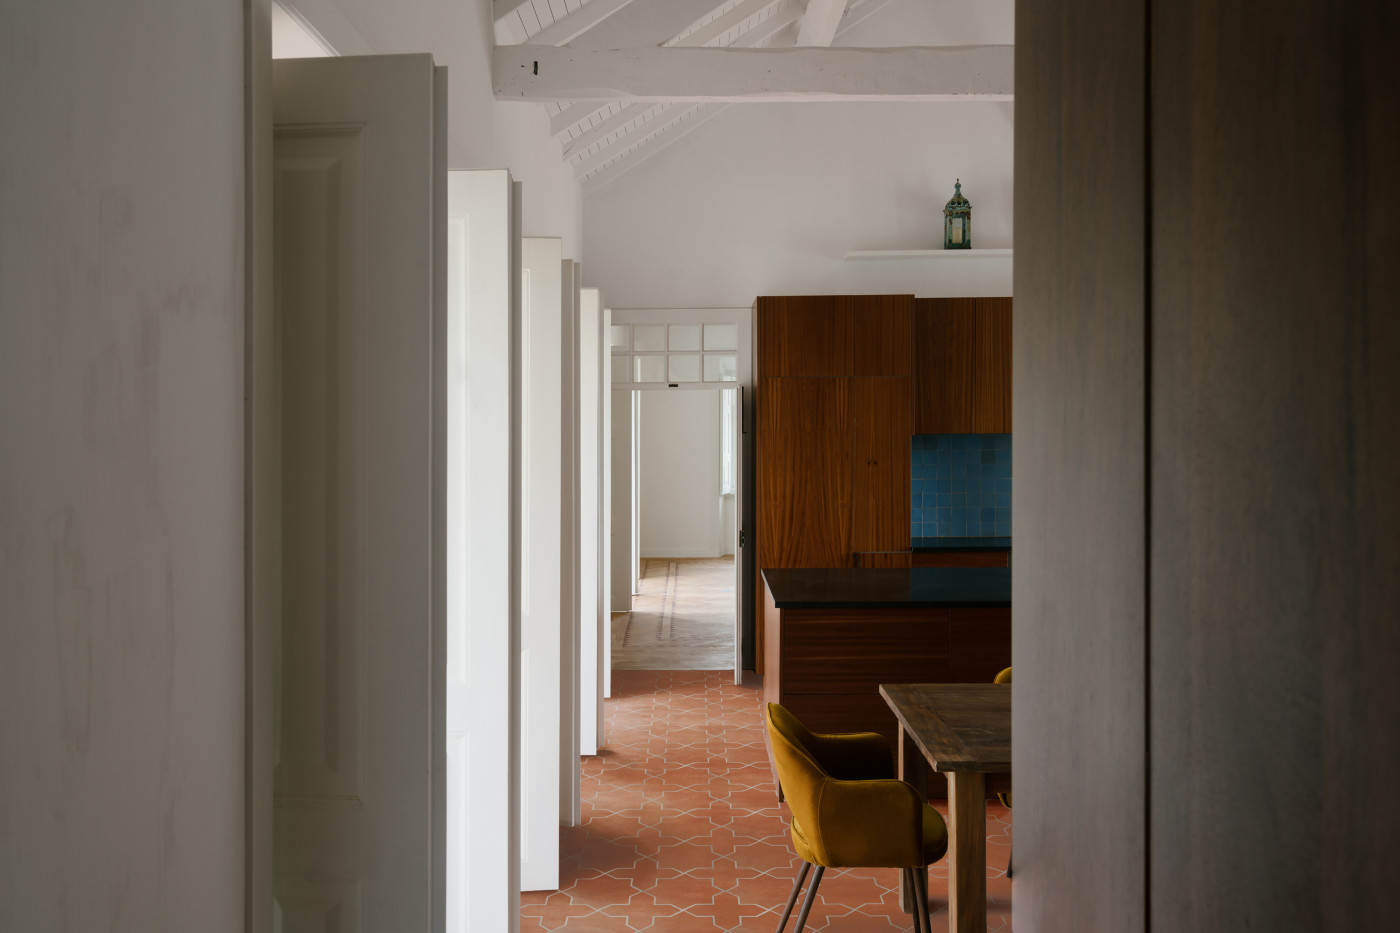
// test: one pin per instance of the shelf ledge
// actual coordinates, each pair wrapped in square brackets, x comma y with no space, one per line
[930,254]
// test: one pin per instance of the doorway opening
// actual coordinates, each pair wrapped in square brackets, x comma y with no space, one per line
[683,493]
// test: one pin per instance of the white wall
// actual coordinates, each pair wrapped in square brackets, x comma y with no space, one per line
[482,133]
[121,466]
[680,501]
[774,195]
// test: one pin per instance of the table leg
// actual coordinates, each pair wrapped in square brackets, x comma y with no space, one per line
[967,852]
[913,770]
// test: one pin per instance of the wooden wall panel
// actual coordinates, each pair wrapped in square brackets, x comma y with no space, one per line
[803,337]
[803,475]
[945,334]
[979,644]
[991,371]
[883,333]
[963,559]
[1275,402]
[883,415]
[1078,580]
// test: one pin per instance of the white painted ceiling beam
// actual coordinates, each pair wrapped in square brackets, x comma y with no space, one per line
[606,128]
[820,22]
[570,27]
[665,118]
[654,144]
[571,115]
[767,29]
[722,24]
[500,9]
[699,75]
[859,12]
[650,22]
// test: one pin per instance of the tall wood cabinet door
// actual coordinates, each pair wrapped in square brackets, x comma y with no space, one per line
[992,367]
[803,473]
[882,412]
[803,336]
[883,334]
[945,339]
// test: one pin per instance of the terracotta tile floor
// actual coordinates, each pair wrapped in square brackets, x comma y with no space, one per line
[682,832]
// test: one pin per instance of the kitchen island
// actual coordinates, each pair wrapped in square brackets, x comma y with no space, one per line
[832,636]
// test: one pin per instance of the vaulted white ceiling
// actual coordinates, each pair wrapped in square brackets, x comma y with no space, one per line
[617,94]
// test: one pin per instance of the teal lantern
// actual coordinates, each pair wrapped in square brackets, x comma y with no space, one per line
[957,221]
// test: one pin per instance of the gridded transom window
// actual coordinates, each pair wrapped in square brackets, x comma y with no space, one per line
[674,353]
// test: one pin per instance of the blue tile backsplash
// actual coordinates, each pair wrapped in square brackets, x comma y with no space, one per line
[961,485]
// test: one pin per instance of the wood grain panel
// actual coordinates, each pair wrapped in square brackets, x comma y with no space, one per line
[945,338]
[1275,395]
[883,559]
[803,475]
[805,336]
[883,333]
[1078,370]
[851,651]
[979,644]
[991,372]
[883,414]
[963,559]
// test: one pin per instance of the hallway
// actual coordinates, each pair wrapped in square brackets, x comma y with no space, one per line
[682,832]
[682,620]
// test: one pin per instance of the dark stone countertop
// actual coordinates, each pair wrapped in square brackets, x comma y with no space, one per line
[932,545]
[886,588]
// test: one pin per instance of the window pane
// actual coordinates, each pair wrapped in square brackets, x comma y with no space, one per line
[621,336]
[648,336]
[621,365]
[720,368]
[685,337]
[649,368]
[721,336]
[685,368]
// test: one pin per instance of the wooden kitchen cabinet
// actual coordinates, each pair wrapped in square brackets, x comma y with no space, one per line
[882,415]
[962,365]
[834,418]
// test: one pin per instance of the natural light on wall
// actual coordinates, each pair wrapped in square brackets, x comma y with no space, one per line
[293,38]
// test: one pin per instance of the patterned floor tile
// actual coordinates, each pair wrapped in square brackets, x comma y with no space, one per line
[683,832]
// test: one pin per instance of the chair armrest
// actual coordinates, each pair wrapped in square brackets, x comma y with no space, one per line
[853,756]
[871,824]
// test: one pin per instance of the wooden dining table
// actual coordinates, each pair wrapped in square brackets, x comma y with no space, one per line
[964,732]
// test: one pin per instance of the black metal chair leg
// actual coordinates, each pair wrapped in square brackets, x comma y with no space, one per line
[1008,863]
[906,882]
[792,898]
[811,896]
[921,905]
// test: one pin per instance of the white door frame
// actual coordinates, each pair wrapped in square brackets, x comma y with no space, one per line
[743,555]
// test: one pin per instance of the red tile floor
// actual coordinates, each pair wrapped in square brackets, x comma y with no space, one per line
[682,832]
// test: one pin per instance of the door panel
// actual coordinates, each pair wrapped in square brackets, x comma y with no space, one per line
[359,224]
[883,415]
[540,426]
[945,334]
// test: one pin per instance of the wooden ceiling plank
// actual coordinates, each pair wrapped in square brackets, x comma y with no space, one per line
[648,148]
[722,24]
[612,124]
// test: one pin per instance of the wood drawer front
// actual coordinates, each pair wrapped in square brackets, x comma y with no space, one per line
[963,559]
[855,654]
[979,644]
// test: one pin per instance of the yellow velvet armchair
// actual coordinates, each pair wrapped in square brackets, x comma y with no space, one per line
[849,810]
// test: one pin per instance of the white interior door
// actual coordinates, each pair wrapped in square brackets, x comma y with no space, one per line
[570,790]
[483,637]
[591,629]
[605,506]
[541,476]
[360,220]
[735,399]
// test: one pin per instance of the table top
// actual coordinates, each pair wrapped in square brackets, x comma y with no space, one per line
[957,727]
[890,588]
